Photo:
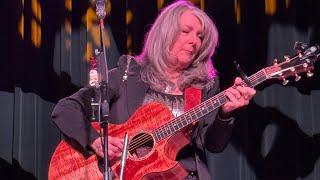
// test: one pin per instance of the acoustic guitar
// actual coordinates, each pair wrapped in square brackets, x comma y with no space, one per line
[154,129]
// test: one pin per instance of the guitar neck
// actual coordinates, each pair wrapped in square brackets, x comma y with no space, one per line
[201,110]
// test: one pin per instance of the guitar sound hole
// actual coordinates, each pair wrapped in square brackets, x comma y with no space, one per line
[140,145]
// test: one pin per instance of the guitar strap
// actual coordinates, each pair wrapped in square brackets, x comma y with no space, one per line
[192,98]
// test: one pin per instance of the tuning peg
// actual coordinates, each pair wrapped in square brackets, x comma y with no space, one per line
[285,81]
[275,61]
[287,58]
[297,77]
[309,74]
[299,46]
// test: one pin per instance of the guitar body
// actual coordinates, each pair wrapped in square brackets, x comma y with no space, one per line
[67,163]
[157,161]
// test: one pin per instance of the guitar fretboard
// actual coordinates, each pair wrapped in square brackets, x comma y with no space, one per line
[201,110]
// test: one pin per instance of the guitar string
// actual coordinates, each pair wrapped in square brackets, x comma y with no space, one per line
[147,144]
[133,149]
[198,109]
[140,140]
[205,103]
[159,132]
[209,101]
[169,125]
[143,138]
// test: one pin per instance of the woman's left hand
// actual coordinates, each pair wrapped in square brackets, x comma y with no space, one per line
[238,96]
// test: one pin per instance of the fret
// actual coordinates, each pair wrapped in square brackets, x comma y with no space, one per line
[210,107]
[216,102]
[161,135]
[204,110]
[258,78]
[198,114]
[173,125]
[176,128]
[193,116]
[156,135]
[223,100]
[168,132]
[179,123]
[165,132]
[172,129]
[255,80]
[261,79]
[168,129]
[201,110]
[187,117]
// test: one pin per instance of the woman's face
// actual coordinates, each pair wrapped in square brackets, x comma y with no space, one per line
[188,43]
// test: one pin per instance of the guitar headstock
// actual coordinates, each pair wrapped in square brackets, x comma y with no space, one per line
[303,61]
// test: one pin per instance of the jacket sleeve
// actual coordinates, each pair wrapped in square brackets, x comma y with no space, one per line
[212,132]
[73,114]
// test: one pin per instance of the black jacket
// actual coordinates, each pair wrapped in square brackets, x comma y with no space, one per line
[72,114]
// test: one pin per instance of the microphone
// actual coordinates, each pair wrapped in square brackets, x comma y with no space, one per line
[101,8]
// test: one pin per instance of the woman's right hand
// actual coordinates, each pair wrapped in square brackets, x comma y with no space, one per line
[115,146]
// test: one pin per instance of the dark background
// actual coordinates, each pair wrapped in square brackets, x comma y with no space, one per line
[277,135]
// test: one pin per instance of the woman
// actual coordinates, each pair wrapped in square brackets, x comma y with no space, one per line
[176,55]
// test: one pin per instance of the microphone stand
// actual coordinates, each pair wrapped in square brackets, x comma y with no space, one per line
[104,127]
[101,13]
